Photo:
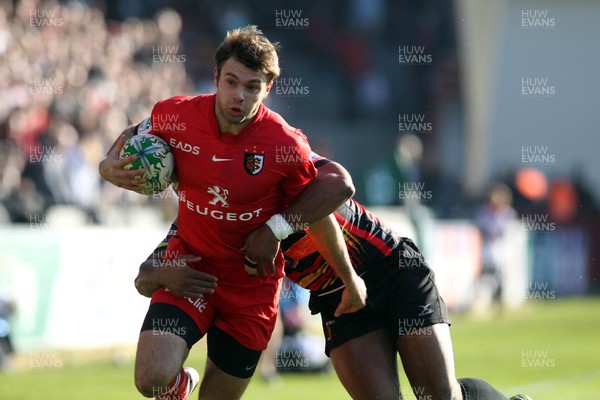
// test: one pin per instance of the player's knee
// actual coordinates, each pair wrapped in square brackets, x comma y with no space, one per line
[151,384]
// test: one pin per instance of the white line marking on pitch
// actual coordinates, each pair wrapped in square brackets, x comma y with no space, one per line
[545,385]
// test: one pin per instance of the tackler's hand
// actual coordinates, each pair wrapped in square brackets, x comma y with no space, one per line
[261,248]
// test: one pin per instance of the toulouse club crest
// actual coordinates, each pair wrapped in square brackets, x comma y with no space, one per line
[253,163]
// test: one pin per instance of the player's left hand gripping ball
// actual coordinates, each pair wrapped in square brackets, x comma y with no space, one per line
[155,161]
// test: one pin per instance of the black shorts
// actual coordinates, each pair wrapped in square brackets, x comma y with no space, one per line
[402,298]
[224,350]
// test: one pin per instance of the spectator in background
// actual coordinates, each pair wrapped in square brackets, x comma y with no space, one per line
[493,219]
[382,181]
[562,201]
[397,180]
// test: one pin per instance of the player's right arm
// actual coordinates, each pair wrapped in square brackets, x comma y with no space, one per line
[175,275]
[112,168]
[327,236]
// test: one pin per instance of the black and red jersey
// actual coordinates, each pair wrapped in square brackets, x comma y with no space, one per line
[367,238]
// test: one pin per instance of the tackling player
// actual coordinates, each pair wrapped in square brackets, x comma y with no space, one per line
[229,184]
[404,314]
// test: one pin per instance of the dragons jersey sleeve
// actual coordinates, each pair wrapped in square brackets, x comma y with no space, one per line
[367,238]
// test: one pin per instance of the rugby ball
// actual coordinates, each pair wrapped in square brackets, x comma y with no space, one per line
[155,160]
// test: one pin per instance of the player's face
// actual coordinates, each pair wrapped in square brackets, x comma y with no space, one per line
[240,90]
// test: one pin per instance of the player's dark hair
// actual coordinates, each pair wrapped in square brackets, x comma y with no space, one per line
[250,47]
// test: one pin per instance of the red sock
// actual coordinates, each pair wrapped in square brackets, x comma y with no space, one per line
[177,389]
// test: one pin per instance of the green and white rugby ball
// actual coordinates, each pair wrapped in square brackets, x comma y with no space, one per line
[155,161]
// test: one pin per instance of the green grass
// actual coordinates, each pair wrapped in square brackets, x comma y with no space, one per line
[566,332]
[563,336]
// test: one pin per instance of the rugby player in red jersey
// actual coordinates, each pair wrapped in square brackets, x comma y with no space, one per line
[404,314]
[229,184]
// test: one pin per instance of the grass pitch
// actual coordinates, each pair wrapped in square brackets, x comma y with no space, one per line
[548,349]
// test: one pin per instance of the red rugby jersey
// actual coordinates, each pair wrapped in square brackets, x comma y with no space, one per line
[229,185]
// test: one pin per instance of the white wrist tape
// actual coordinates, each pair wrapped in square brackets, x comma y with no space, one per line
[280,227]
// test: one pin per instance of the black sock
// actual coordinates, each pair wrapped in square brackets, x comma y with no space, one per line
[478,389]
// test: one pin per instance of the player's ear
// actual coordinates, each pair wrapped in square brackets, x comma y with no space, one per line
[216,76]
[268,89]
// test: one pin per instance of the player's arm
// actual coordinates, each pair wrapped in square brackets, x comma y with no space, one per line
[329,242]
[175,275]
[322,196]
[146,283]
[112,168]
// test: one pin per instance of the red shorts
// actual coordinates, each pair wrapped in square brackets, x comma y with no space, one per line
[243,306]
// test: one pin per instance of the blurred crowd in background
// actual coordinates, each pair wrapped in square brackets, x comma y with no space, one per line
[74,74]
[70,82]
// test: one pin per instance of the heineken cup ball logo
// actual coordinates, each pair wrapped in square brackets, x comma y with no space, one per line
[155,161]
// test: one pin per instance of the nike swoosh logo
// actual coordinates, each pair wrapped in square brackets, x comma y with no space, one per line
[215,159]
[249,368]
